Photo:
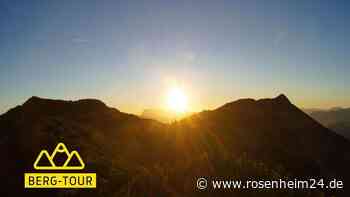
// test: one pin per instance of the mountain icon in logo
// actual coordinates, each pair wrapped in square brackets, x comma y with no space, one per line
[60,159]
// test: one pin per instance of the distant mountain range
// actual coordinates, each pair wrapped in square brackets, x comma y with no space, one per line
[164,116]
[336,119]
[264,139]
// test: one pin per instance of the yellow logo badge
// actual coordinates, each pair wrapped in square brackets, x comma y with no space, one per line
[60,148]
[72,161]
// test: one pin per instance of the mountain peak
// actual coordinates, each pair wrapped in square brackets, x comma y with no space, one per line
[33,99]
[248,102]
[38,100]
[95,102]
[43,104]
[282,99]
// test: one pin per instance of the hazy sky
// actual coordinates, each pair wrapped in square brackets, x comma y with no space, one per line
[128,52]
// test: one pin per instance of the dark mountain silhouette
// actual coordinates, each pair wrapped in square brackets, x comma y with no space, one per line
[336,119]
[262,139]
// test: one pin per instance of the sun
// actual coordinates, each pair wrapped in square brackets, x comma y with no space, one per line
[177,100]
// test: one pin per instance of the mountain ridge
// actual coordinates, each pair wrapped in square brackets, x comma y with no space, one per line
[120,146]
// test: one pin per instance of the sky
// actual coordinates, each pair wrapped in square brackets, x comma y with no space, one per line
[129,53]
